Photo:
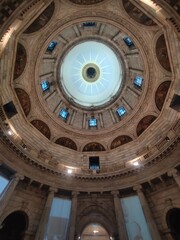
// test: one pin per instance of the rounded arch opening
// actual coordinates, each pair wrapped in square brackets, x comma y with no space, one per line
[14,226]
[173,220]
[94,231]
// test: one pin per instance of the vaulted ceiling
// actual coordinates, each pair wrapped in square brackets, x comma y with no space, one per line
[135,133]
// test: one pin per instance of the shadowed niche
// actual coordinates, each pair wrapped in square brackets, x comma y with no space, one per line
[86,2]
[14,226]
[173,220]
[162,53]
[42,127]
[42,20]
[24,100]
[66,142]
[93,147]
[21,58]
[120,140]
[136,14]
[144,124]
[161,93]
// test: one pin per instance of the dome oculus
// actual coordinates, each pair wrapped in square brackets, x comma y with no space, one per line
[91,73]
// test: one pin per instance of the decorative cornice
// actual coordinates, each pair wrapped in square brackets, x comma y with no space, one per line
[100,177]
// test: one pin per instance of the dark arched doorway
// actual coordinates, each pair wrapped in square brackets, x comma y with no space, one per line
[14,226]
[173,222]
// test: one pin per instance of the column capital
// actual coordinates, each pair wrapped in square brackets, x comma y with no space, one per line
[75,194]
[137,188]
[17,176]
[53,190]
[115,193]
[172,172]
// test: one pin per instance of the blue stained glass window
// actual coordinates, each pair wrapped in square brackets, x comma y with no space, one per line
[64,114]
[51,46]
[128,41]
[89,24]
[45,85]
[121,111]
[92,122]
[138,80]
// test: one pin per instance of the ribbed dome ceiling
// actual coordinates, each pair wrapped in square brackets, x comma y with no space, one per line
[90,81]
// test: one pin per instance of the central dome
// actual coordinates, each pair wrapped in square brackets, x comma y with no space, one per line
[91,74]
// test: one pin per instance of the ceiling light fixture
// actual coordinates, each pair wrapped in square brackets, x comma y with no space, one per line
[136,163]
[10,132]
[69,171]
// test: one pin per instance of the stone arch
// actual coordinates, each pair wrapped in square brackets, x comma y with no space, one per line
[14,225]
[66,142]
[93,147]
[21,59]
[162,53]
[136,14]
[161,93]
[42,19]
[96,214]
[24,100]
[120,140]
[144,124]
[42,127]
[166,210]
[101,233]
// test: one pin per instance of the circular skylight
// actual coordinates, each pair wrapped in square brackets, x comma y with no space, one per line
[91,74]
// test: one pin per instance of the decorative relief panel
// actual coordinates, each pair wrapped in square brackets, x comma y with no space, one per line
[66,142]
[162,53]
[24,100]
[42,20]
[42,127]
[161,93]
[93,147]
[144,124]
[21,58]
[120,140]
[136,14]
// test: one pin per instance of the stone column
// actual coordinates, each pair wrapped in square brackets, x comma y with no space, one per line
[45,215]
[174,173]
[147,213]
[73,215]
[119,216]
[8,191]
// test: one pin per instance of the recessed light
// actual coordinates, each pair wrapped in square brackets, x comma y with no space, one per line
[135,163]
[69,171]
[95,231]
[10,132]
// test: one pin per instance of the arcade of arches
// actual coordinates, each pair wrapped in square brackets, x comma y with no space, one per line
[89,119]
